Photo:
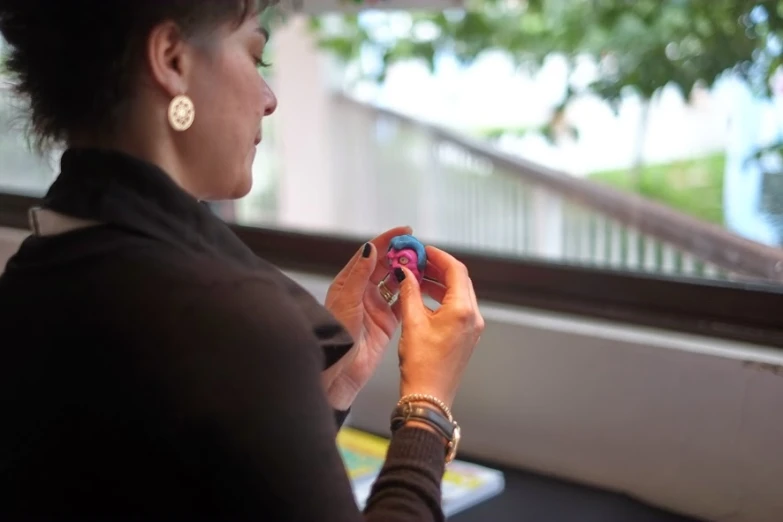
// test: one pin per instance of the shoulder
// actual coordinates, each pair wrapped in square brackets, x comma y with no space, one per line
[201,290]
[215,336]
[174,294]
[223,348]
[110,252]
[129,263]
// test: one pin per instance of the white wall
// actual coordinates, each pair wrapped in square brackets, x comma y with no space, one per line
[684,422]
[687,423]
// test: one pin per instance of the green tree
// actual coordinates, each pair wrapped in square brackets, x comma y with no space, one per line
[639,45]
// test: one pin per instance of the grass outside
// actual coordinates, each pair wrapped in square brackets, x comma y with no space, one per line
[693,186]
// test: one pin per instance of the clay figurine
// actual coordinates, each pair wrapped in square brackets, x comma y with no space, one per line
[409,252]
[405,251]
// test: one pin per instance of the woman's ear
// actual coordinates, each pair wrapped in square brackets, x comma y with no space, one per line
[169,58]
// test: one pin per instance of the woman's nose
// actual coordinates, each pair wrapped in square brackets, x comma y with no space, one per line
[270,100]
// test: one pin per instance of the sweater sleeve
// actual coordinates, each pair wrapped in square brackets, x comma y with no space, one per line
[239,368]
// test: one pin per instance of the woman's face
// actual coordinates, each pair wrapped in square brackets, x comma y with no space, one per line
[230,98]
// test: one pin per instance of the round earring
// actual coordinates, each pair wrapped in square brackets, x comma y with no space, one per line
[181,113]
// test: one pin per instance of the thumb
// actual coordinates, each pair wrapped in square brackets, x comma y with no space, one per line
[411,303]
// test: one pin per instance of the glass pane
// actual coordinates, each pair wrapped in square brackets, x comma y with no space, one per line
[506,160]
[671,185]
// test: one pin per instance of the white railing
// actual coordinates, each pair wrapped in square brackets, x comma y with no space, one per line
[469,195]
[466,194]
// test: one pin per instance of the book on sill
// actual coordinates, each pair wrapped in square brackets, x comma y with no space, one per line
[464,484]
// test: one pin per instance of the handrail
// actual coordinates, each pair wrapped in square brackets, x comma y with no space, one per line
[704,240]
[749,312]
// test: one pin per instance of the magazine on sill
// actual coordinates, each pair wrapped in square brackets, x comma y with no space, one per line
[464,484]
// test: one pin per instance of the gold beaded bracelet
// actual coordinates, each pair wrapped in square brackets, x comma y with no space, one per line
[421,397]
[405,411]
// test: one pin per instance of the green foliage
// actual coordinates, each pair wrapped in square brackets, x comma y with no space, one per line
[692,186]
[639,44]
[494,133]
[773,151]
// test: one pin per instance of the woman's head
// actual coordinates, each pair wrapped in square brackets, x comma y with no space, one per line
[103,73]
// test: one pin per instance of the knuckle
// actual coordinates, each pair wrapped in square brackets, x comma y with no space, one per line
[480,324]
[463,314]
[478,331]
[415,322]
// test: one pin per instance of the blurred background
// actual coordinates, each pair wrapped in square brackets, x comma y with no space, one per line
[610,171]
[642,136]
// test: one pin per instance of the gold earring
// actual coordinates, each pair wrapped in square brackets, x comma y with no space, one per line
[181,113]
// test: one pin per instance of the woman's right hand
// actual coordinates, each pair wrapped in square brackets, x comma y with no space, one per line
[435,346]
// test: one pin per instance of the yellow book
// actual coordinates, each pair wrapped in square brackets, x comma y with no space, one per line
[464,484]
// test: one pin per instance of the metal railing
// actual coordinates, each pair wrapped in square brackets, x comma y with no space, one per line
[529,236]
[468,194]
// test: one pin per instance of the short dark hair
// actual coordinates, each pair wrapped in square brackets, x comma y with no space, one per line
[74,61]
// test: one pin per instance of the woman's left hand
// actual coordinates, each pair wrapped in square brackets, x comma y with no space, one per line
[353,298]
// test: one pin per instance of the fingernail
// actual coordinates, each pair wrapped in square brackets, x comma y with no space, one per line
[367,250]
[399,274]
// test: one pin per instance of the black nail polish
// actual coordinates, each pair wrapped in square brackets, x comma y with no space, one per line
[367,250]
[399,274]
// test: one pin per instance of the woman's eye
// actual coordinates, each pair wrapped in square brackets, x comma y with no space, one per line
[261,63]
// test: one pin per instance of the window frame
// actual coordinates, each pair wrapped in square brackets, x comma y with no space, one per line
[738,311]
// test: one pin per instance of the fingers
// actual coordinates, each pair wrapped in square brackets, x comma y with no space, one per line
[381,244]
[351,262]
[457,286]
[473,297]
[362,268]
[411,304]
[438,292]
[433,289]
[455,275]
[433,272]
[356,274]
[385,238]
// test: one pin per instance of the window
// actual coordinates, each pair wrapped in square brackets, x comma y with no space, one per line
[494,159]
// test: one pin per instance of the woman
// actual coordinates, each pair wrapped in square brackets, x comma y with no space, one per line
[162,370]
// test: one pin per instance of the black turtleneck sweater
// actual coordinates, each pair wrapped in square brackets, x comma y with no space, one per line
[152,367]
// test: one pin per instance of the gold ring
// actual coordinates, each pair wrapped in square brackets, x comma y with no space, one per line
[387,294]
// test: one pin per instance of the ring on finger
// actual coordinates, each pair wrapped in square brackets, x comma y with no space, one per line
[387,294]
